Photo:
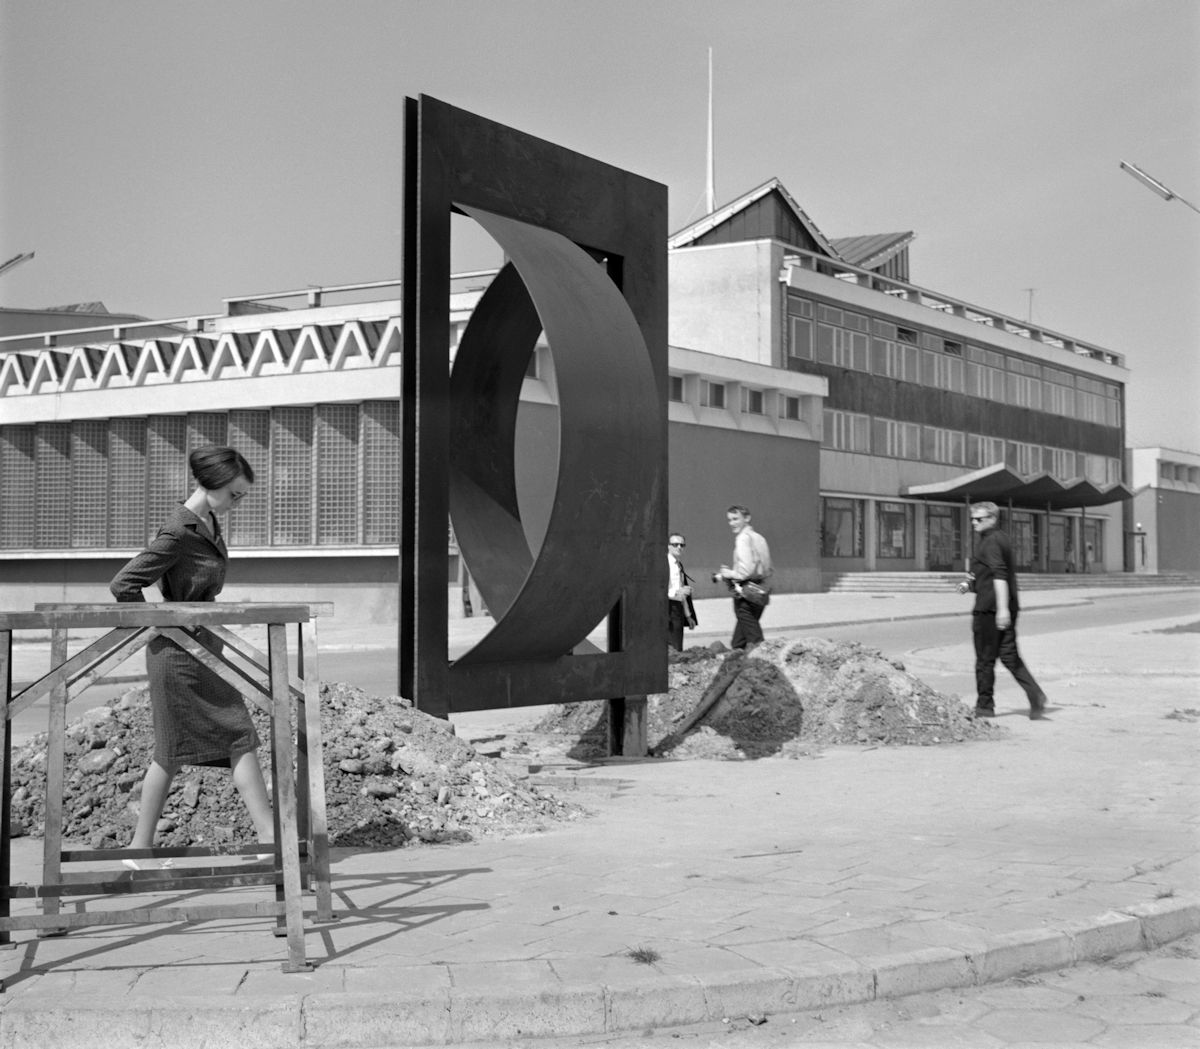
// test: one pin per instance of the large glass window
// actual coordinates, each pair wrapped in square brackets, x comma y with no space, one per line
[842,527]
[894,528]
[898,439]
[896,360]
[800,339]
[940,445]
[943,538]
[18,525]
[846,431]
[325,475]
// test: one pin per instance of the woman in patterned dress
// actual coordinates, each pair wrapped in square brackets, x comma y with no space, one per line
[199,719]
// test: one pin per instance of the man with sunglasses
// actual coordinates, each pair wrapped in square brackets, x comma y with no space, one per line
[680,610]
[993,579]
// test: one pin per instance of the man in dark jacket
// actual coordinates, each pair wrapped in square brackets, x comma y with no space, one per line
[994,620]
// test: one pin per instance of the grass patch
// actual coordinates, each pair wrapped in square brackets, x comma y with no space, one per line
[644,955]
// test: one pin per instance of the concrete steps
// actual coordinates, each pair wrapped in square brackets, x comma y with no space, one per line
[942,582]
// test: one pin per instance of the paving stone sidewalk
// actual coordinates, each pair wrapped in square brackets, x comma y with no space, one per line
[767,886]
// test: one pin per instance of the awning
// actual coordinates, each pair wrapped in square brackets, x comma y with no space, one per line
[999,483]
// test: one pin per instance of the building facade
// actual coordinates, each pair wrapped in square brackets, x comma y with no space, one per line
[856,414]
[1162,522]
[932,402]
[96,427]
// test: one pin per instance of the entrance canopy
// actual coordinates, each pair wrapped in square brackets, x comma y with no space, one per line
[999,483]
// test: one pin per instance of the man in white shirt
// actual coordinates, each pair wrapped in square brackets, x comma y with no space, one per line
[679,593]
[751,564]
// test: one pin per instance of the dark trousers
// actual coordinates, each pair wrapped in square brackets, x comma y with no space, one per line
[992,643]
[747,632]
[675,614]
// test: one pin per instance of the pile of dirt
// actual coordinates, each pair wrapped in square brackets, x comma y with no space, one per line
[393,776]
[786,697]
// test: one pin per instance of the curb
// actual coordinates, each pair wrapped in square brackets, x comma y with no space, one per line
[442,1014]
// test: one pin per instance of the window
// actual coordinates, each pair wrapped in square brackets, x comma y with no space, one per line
[250,434]
[752,401]
[17,481]
[800,339]
[791,408]
[326,475]
[846,431]
[897,439]
[1024,458]
[942,372]
[675,389]
[336,464]
[1102,470]
[907,335]
[894,527]
[985,374]
[842,527]
[896,360]
[842,348]
[381,471]
[127,482]
[984,451]
[943,446]
[89,482]
[53,473]
[712,394]
[1058,392]
[1059,463]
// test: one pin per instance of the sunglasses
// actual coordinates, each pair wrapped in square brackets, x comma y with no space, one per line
[676,544]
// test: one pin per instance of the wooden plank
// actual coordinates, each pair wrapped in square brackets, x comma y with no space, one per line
[127,882]
[153,613]
[287,844]
[6,778]
[87,664]
[162,852]
[318,826]
[143,916]
[257,659]
[55,750]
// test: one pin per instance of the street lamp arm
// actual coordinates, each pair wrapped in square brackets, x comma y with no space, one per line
[1155,186]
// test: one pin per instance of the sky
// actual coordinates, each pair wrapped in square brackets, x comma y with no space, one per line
[160,155]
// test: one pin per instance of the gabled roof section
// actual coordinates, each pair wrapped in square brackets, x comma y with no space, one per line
[872,250]
[774,208]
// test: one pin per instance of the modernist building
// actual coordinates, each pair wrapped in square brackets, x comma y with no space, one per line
[854,412]
[1162,520]
[932,403]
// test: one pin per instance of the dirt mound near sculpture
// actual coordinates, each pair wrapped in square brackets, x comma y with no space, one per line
[786,697]
[393,776]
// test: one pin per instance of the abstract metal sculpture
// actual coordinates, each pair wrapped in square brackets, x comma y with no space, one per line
[585,245]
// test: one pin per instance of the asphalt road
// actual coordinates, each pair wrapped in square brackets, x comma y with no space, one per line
[375,671]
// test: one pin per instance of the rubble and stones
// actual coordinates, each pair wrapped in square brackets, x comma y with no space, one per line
[786,697]
[393,776]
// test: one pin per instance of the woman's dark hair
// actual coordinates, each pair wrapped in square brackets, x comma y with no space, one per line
[214,466]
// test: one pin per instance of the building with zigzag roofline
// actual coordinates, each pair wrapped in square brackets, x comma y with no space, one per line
[854,412]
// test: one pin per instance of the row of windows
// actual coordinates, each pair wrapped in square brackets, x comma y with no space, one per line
[1168,471]
[872,435]
[325,475]
[844,535]
[846,339]
[753,402]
